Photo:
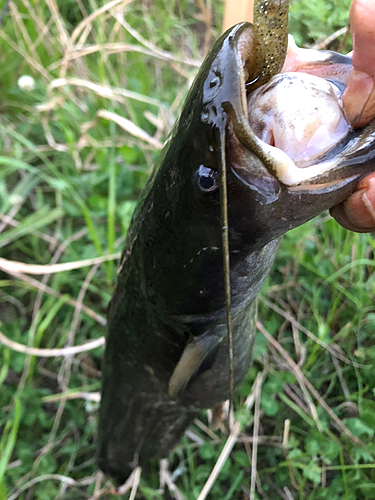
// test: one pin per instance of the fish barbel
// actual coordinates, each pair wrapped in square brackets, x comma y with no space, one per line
[166,355]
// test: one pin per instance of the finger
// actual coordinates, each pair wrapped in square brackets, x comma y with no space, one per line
[237,11]
[362,20]
[359,98]
[359,95]
[357,213]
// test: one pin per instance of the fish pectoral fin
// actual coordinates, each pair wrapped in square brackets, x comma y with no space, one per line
[191,359]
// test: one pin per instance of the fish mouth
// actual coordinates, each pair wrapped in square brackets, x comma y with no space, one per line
[329,165]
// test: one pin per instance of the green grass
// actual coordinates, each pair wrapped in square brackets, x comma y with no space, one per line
[69,179]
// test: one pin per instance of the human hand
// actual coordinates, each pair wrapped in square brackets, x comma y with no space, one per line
[359,96]
[357,213]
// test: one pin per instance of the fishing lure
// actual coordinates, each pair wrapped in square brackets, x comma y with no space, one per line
[167,345]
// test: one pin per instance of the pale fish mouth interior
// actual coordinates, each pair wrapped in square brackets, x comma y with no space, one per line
[300,114]
[301,166]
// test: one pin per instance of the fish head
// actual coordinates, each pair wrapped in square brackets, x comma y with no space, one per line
[274,185]
[290,151]
[268,192]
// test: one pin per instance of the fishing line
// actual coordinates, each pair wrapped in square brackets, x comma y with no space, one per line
[226,263]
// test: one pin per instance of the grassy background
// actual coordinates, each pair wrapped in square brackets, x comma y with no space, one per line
[69,178]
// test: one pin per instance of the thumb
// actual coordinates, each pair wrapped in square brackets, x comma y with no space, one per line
[359,96]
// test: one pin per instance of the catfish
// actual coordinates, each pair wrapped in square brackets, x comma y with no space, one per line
[166,354]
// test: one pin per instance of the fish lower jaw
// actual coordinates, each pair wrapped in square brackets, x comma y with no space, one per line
[289,174]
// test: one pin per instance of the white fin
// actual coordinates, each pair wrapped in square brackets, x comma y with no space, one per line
[191,359]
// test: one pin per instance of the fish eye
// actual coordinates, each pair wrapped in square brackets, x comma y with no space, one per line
[207,179]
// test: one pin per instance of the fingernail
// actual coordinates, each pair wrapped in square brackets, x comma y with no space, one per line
[357,92]
[357,213]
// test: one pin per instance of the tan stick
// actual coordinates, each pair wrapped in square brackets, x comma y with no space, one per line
[232,439]
[21,267]
[237,11]
[51,353]
[299,375]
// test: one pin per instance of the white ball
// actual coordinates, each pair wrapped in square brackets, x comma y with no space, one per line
[26,83]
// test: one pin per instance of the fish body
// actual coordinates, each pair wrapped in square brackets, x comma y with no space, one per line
[167,352]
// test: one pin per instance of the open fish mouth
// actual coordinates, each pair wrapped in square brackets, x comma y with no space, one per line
[301,114]
[294,122]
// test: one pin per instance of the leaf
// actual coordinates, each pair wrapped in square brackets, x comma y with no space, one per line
[243,416]
[364,453]
[329,450]
[269,405]
[8,439]
[206,451]
[30,224]
[312,472]
[3,491]
[357,427]
[312,446]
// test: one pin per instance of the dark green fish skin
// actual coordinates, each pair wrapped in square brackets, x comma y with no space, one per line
[168,308]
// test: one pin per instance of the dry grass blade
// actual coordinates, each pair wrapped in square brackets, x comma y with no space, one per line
[310,408]
[307,332]
[79,51]
[254,453]
[19,23]
[7,220]
[166,479]
[82,27]
[162,54]
[130,127]
[11,266]
[46,289]
[285,451]
[65,369]
[45,477]
[43,26]
[327,41]
[51,353]
[49,136]
[131,483]
[87,396]
[311,388]
[63,34]
[207,19]
[105,91]
[32,62]
[232,439]
[210,433]
[136,478]
[340,375]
